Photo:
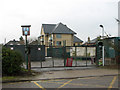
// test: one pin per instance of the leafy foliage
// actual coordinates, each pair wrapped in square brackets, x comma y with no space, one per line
[11,62]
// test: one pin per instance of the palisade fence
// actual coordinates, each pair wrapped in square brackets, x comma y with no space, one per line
[57,56]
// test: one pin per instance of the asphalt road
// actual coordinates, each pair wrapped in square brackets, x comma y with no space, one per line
[106,82]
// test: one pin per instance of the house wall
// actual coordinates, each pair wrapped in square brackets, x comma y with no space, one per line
[77,43]
[64,37]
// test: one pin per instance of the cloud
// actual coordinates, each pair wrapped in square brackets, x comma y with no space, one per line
[79,15]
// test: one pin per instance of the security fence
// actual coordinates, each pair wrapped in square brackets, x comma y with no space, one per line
[37,52]
[111,51]
[62,56]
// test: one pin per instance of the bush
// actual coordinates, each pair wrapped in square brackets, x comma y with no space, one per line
[11,62]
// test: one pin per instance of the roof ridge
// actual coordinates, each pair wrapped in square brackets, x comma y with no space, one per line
[56,27]
[48,24]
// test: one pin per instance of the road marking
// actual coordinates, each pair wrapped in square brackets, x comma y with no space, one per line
[79,84]
[111,84]
[86,78]
[39,86]
[65,84]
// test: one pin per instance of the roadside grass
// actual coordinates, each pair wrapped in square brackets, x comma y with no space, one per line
[23,74]
[8,77]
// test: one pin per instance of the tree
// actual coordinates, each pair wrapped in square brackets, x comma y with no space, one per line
[21,39]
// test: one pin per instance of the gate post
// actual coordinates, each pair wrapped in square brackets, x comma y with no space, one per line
[96,56]
[86,55]
[75,56]
[52,55]
[64,50]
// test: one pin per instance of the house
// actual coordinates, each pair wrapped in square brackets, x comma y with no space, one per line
[77,41]
[34,42]
[91,42]
[14,42]
[56,35]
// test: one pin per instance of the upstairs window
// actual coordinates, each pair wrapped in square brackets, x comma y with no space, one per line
[58,35]
[58,43]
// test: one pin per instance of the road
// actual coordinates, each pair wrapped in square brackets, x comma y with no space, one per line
[107,82]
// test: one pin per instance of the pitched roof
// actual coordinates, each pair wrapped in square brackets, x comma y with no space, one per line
[94,40]
[34,42]
[14,42]
[76,39]
[48,28]
[57,29]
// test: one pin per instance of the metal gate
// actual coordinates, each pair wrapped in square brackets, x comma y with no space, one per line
[52,56]
[57,56]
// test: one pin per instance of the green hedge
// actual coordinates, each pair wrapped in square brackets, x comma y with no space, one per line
[11,62]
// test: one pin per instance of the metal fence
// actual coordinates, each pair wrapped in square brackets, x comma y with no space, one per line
[58,56]
[37,52]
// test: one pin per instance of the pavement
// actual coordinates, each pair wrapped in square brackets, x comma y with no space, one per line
[65,73]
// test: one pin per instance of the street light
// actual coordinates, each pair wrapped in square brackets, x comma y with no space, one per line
[118,26]
[103,56]
[102,31]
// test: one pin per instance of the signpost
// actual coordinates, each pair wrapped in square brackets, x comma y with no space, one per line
[26,32]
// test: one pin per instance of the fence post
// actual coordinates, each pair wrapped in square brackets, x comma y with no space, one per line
[75,57]
[52,55]
[64,49]
[86,55]
[103,56]
[97,56]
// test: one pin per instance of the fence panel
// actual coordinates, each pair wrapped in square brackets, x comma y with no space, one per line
[57,56]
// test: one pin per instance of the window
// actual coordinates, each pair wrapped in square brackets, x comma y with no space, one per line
[50,43]
[58,43]
[64,43]
[58,35]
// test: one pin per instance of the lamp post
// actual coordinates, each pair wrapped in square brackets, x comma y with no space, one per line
[26,32]
[102,31]
[103,56]
[118,26]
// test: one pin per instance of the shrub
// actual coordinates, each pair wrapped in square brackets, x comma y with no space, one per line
[11,62]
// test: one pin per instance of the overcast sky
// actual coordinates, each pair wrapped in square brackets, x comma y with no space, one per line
[82,16]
